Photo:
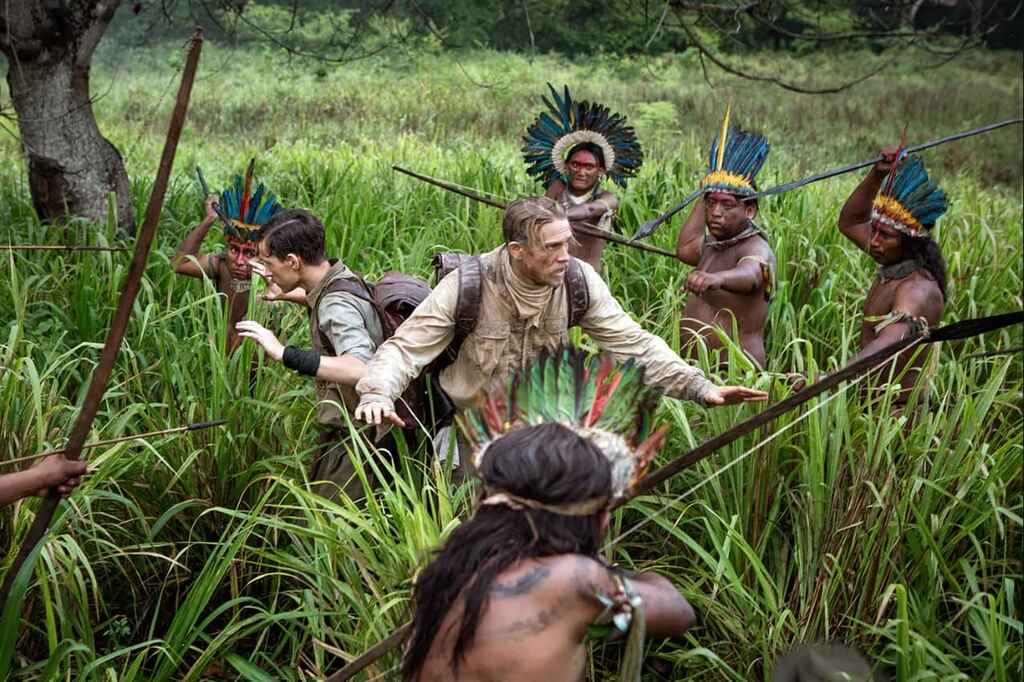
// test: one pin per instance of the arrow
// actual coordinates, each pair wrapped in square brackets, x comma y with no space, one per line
[122,439]
[577,227]
[648,228]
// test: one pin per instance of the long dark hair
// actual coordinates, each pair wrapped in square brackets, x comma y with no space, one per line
[548,463]
[928,251]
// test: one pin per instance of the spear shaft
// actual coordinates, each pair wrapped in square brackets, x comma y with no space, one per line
[122,439]
[951,332]
[57,247]
[577,227]
[779,189]
[648,228]
[119,323]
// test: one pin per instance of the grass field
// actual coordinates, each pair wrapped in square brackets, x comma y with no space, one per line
[204,557]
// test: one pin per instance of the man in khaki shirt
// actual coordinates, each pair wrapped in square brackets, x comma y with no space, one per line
[523,309]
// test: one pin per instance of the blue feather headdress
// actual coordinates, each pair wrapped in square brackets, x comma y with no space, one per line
[734,164]
[569,122]
[909,201]
[244,212]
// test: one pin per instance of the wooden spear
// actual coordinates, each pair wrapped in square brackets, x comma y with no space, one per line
[957,330]
[101,375]
[122,439]
[57,247]
[577,227]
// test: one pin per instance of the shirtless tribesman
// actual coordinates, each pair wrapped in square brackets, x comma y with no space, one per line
[735,266]
[571,149]
[890,216]
[230,270]
[585,201]
[518,589]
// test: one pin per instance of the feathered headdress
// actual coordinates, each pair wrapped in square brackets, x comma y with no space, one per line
[736,158]
[566,124]
[242,211]
[909,201]
[601,400]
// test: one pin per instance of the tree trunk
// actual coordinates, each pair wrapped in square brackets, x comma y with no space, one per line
[71,166]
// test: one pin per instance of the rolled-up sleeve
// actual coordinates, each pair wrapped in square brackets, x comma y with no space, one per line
[342,321]
[415,344]
[616,332]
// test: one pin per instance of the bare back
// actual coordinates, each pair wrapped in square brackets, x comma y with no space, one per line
[720,307]
[532,628]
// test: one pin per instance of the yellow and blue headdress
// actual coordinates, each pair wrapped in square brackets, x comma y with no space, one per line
[242,211]
[736,158]
[909,201]
[569,122]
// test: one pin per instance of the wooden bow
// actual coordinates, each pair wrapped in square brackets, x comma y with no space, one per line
[130,289]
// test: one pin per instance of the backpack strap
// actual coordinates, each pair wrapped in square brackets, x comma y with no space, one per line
[577,295]
[356,286]
[467,306]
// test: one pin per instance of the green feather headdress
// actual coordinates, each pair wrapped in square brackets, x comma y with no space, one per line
[603,401]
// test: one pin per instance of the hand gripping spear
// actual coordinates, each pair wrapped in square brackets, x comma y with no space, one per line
[648,228]
[952,332]
[577,227]
[90,406]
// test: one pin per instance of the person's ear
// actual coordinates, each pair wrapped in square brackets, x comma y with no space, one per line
[751,209]
[293,261]
[516,250]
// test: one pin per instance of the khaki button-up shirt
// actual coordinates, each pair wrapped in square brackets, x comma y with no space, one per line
[503,341]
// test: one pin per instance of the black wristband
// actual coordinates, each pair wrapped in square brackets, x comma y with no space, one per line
[302,361]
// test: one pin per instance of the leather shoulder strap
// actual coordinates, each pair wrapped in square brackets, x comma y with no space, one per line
[355,286]
[577,295]
[467,306]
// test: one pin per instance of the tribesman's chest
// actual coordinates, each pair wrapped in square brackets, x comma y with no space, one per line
[718,260]
[881,297]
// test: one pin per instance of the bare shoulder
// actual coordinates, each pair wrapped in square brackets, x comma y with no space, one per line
[608,198]
[582,575]
[919,295]
[756,247]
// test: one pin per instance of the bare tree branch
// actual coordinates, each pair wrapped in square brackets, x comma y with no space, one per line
[702,7]
[705,52]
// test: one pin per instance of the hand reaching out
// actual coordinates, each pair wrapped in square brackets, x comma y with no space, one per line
[731,395]
[273,292]
[377,412]
[257,332]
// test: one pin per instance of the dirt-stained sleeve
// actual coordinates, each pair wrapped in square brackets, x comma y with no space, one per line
[614,331]
[420,339]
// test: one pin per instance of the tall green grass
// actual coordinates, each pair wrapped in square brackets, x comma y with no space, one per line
[205,556]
